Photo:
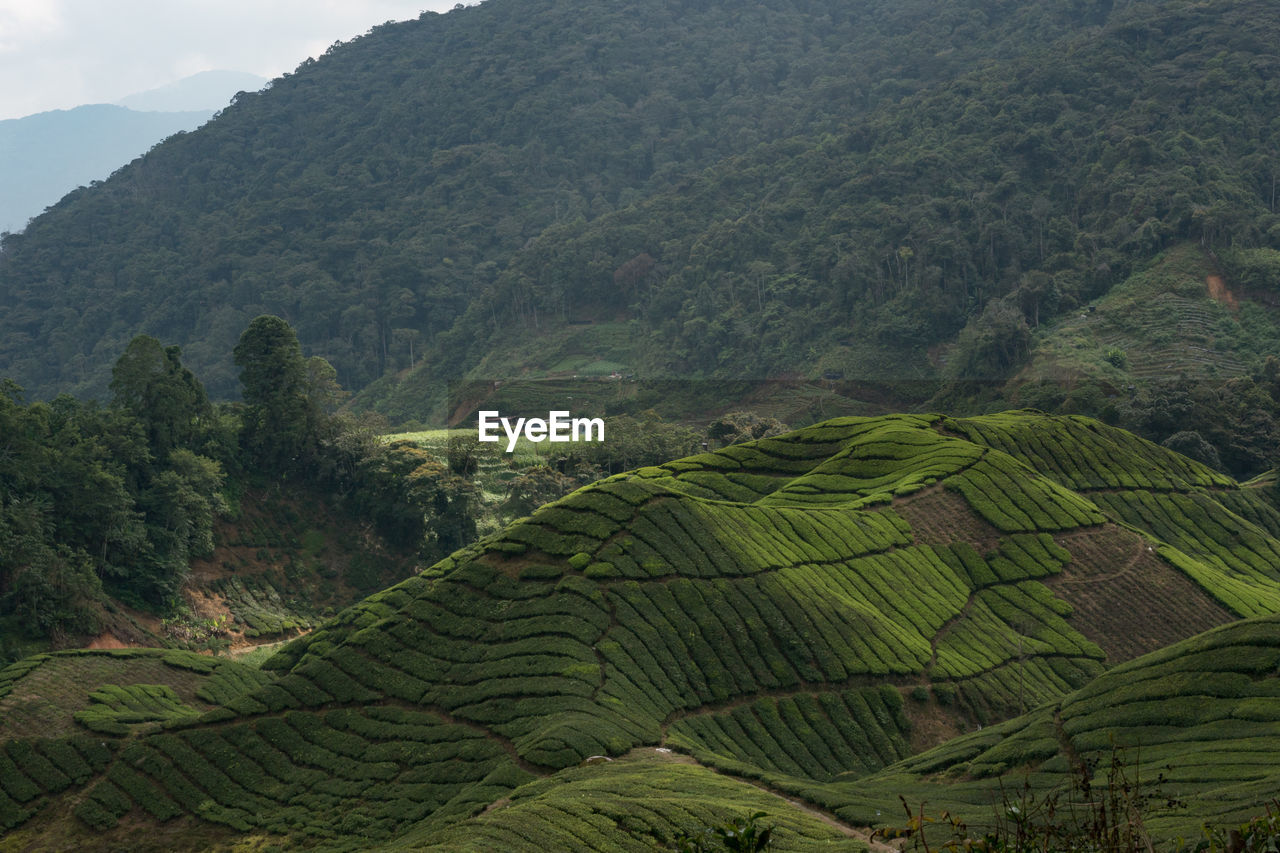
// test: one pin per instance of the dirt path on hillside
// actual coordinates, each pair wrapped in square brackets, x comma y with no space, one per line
[241,647]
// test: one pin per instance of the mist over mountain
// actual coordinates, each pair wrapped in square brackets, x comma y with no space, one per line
[47,155]
[207,90]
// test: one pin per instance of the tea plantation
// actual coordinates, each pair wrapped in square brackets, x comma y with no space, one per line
[811,613]
[1201,716]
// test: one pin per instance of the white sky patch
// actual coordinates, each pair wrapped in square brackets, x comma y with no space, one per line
[22,22]
[194,63]
[58,54]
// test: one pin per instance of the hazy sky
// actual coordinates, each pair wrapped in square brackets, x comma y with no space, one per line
[57,54]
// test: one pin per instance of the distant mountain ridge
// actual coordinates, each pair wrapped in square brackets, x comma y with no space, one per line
[207,90]
[46,155]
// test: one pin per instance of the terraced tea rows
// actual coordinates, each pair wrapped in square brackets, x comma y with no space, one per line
[1189,328]
[1203,713]
[255,602]
[48,702]
[116,707]
[639,804]
[765,608]
[796,734]
[40,696]
[370,772]
[31,770]
[1085,455]
[1198,519]
[1169,322]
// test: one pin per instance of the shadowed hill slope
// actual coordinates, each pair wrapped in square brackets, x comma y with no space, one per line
[810,607]
[1202,715]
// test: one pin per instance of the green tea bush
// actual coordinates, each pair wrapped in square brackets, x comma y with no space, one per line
[63,756]
[141,791]
[104,806]
[116,707]
[14,784]
[36,766]
[231,680]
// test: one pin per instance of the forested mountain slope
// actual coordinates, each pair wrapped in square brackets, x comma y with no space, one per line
[806,610]
[747,189]
[1182,352]
[995,199]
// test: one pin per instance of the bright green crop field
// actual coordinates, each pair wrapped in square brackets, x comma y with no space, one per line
[864,608]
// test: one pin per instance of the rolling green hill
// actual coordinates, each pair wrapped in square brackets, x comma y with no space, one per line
[1202,714]
[802,611]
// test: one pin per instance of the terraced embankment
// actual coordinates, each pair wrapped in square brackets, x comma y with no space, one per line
[797,611]
[1201,716]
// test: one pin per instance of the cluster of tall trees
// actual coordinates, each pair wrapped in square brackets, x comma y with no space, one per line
[114,499]
[101,502]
